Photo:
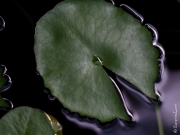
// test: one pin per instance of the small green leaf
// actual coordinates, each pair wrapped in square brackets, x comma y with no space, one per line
[25,121]
[2,82]
[76,39]
[3,103]
[3,79]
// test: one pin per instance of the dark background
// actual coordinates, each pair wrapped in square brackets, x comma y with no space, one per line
[17,41]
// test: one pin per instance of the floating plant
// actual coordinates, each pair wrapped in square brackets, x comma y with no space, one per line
[77,39]
[91,37]
[26,120]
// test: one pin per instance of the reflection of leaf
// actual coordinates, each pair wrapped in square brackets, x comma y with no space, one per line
[25,121]
[76,38]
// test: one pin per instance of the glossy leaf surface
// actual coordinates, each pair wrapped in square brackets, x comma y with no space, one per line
[76,39]
[25,121]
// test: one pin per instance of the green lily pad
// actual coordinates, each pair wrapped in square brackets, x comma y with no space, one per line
[76,39]
[25,121]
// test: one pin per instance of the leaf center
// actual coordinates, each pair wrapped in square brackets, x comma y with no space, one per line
[97,61]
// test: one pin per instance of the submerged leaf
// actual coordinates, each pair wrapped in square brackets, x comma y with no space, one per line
[76,39]
[3,103]
[2,82]
[25,121]
[3,79]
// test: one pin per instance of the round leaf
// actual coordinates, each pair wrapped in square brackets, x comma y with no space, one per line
[76,39]
[25,121]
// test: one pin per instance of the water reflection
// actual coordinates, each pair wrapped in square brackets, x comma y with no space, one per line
[2,23]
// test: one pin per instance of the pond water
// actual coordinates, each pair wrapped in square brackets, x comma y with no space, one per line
[148,119]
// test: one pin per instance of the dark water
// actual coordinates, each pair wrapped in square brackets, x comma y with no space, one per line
[28,90]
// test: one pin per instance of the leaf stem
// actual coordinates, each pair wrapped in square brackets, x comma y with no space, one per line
[159,120]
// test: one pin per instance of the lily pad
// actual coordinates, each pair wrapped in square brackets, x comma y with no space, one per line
[25,121]
[76,39]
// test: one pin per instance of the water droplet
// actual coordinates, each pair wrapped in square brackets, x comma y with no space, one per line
[50,97]
[47,91]
[9,102]
[37,73]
